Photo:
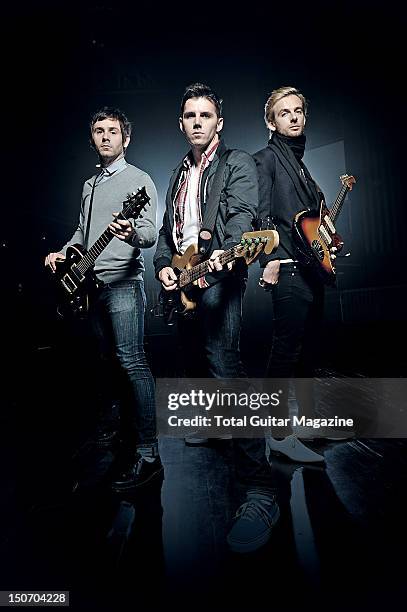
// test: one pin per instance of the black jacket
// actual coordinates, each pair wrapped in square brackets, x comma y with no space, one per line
[237,207]
[278,200]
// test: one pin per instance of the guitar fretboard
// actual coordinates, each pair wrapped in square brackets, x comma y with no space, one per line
[189,276]
[336,207]
[95,250]
[131,210]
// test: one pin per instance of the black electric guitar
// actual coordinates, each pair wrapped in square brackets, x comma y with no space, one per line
[189,268]
[75,278]
[316,237]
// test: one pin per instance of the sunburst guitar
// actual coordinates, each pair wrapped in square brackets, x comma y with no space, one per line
[315,235]
[189,268]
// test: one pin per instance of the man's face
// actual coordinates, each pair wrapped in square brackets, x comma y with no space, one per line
[107,137]
[289,118]
[200,123]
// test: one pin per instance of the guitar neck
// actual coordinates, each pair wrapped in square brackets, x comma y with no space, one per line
[95,250]
[337,206]
[88,260]
[189,276]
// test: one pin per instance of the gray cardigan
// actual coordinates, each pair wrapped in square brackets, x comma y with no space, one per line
[120,260]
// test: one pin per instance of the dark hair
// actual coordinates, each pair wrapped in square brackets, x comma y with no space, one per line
[109,112]
[198,90]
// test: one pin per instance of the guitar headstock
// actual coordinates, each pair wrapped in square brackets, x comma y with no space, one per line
[254,243]
[135,203]
[347,180]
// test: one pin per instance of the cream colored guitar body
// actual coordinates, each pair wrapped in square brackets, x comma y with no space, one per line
[189,267]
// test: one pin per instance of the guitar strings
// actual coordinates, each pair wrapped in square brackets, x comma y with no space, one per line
[333,213]
[189,276]
[101,243]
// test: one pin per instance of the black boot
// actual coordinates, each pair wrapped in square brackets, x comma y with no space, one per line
[107,432]
[107,436]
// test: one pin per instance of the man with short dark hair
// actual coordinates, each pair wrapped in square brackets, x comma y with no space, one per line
[117,311]
[219,298]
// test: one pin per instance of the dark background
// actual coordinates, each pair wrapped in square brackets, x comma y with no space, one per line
[63,60]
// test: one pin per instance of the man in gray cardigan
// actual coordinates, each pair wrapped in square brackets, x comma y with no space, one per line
[117,311]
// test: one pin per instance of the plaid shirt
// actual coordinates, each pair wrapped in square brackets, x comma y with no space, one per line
[181,194]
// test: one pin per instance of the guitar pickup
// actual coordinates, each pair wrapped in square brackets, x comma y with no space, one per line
[79,276]
[68,284]
[324,233]
[330,225]
[72,280]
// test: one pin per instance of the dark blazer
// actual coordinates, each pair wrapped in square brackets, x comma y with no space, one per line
[278,201]
[237,207]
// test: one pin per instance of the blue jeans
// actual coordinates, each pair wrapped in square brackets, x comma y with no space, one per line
[217,330]
[117,318]
[220,312]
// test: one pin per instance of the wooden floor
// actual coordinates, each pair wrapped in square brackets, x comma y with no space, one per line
[339,545]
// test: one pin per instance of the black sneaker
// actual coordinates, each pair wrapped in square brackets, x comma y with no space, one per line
[138,474]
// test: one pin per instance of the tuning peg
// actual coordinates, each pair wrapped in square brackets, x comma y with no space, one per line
[333,256]
[333,249]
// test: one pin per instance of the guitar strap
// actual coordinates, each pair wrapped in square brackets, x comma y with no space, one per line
[212,206]
[90,213]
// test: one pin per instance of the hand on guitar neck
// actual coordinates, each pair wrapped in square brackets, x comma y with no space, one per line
[75,277]
[214,262]
[121,228]
[187,270]
[169,279]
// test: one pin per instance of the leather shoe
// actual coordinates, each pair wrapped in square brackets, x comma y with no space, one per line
[137,474]
[294,449]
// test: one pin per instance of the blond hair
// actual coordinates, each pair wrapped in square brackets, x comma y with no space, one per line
[276,95]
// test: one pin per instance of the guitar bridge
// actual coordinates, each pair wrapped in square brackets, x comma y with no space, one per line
[318,250]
